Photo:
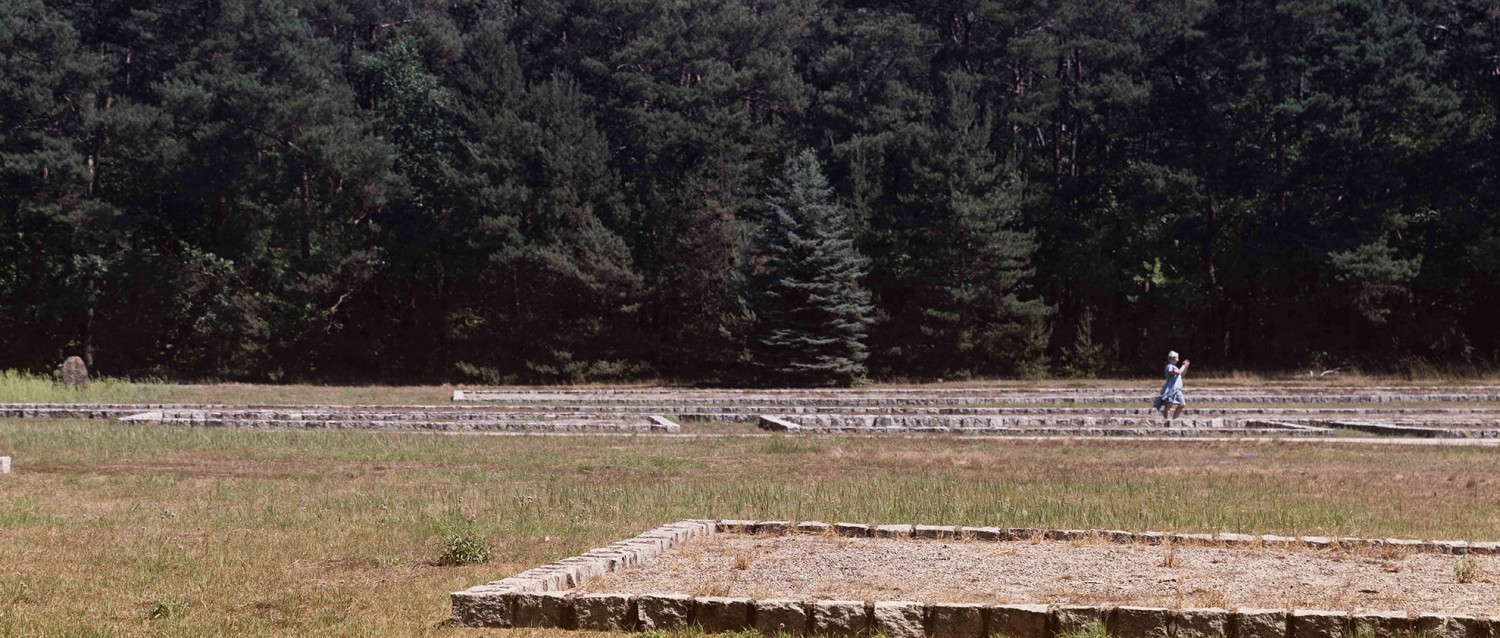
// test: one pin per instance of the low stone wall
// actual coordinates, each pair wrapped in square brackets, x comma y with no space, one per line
[541,597]
[1136,396]
[1397,429]
[1029,426]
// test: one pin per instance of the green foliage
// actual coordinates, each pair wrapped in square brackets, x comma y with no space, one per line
[22,387]
[1465,570]
[567,191]
[811,308]
[167,609]
[464,548]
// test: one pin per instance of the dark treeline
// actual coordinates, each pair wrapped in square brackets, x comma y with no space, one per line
[413,190]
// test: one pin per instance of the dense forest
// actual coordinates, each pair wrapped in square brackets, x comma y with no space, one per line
[564,190]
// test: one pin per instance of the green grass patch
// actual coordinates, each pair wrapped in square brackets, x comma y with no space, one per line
[24,387]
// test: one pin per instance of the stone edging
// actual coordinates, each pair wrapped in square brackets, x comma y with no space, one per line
[541,597]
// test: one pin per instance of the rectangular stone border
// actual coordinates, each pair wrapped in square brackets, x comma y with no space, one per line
[541,597]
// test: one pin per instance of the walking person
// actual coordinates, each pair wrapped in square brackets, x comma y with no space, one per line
[1170,399]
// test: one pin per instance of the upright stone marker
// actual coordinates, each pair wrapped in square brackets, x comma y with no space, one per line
[73,373]
[4,465]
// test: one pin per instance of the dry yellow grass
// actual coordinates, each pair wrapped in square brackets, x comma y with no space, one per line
[334,532]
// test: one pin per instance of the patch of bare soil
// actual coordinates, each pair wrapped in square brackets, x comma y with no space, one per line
[832,568]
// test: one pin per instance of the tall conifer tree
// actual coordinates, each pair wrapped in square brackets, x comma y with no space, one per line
[812,311]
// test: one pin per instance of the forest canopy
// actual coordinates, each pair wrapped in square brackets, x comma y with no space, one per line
[565,190]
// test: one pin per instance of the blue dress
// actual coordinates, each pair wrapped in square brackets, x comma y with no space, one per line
[1171,391]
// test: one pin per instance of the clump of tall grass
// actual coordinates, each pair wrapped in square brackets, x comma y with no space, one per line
[463,548]
[1092,630]
[1465,570]
[24,387]
[166,609]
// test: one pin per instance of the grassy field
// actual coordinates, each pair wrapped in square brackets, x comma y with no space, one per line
[21,387]
[240,532]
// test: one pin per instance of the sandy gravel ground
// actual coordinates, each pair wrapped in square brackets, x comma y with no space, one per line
[1097,573]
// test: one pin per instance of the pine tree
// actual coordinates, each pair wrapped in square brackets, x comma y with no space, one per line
[812,312]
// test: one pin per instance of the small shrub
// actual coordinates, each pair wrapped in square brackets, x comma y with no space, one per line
[166,609]
[1170,560]
[1466,570]
[462,548]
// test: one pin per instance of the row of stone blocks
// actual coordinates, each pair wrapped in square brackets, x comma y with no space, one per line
[920,425]
[654,424]
[1018,397]
[1223,539]
[542,597]
[910,619]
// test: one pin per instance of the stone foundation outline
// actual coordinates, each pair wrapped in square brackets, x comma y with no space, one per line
[542,596]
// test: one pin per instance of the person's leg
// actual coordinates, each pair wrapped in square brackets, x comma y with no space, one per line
[1177,411]
[1166,409]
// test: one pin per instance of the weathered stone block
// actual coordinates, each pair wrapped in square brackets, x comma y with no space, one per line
[734,526]
[1270,540]
[717,614]
[935,532]
[956,620]
[1239,540]
[663,611]
[1461,626]
[1019,621]
[1310,623]
[851,529]
[814,528]
[776,616]
[73,372]
[983,533]
[1149,538]
[1201,623]
[604,612]
[840,618]
[899,619]
[1488,548]
[1141,622]
[1452,547]
[1260,623]
[1317,542]
[1075,618]
[893,531]
[4,465]
[544,609]
[1432,625]
[1382,624]
[773,528]
[1022,533]
[483,610]
[1066,534]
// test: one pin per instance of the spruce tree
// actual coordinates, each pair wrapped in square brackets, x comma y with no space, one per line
[811,309]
